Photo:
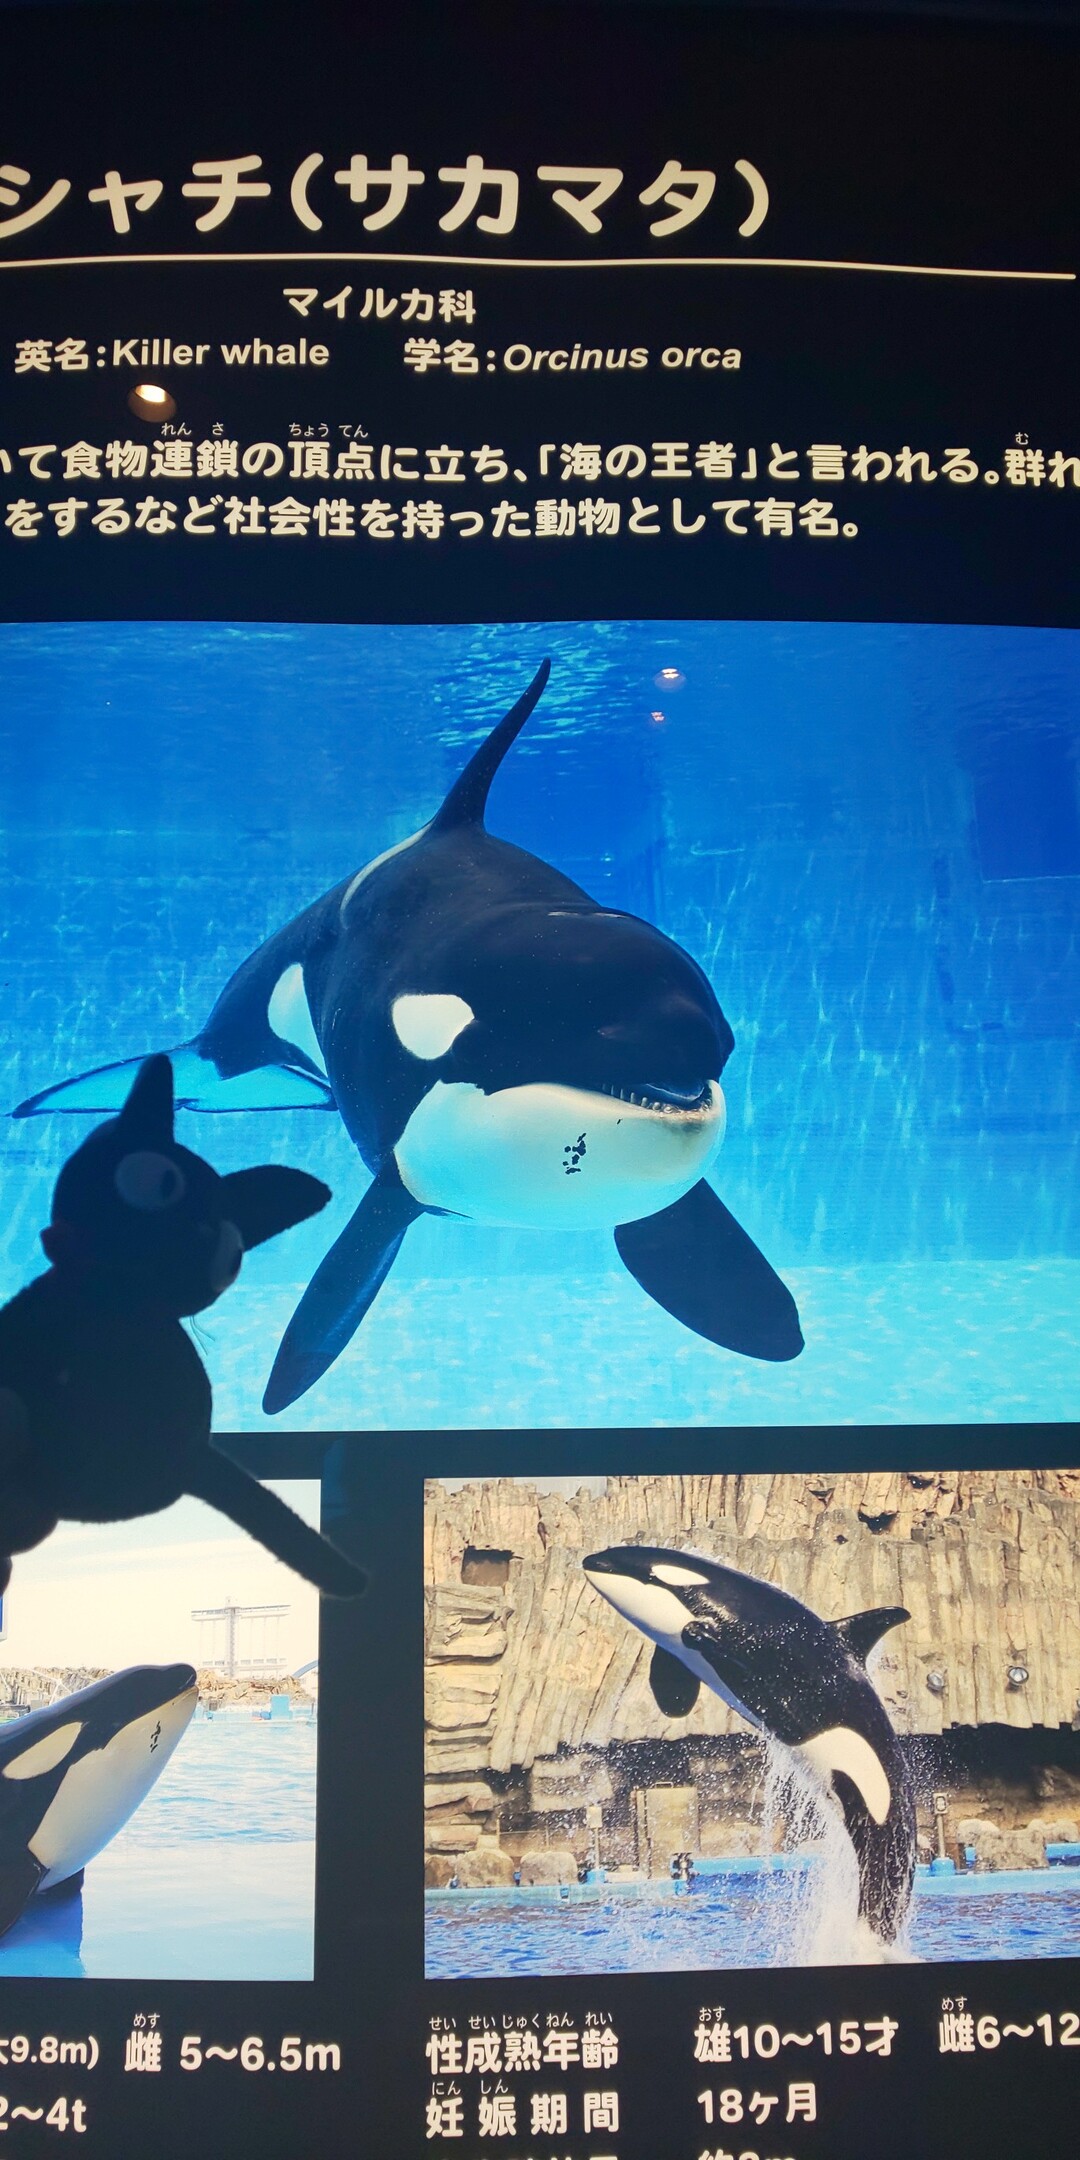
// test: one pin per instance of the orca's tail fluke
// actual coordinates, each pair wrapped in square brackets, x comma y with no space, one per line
[106,1087]
[341,1290]
[197,1083]
[223,1485]
[467,800]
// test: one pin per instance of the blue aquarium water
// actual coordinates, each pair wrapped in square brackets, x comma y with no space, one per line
[869,836]
[213,1878]
[740,1919]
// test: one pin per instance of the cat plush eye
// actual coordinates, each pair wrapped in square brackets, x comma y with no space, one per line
[149,1181]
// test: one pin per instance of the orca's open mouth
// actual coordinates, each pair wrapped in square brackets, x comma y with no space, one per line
[693,1095]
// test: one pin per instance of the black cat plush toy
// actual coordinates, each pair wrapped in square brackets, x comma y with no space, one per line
[104,1401]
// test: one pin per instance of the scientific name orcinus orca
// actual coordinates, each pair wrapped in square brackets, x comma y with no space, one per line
[500,1048]
[800,1679]
[71,1775]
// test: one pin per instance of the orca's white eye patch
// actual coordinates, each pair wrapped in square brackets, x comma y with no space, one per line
[428,1025]
[148,1181]
[680,1578]
[44,1754]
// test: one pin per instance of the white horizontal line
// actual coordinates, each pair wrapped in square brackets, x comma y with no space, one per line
[543,262]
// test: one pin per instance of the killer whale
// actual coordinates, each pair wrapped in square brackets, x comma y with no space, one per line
[500,1048]
[72,1774]
[789,1674]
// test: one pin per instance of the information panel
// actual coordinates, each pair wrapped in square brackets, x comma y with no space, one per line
[541,914]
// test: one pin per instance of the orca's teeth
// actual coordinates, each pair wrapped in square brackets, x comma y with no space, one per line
[643,1099]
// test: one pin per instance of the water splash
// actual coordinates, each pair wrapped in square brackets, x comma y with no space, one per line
[821,1923]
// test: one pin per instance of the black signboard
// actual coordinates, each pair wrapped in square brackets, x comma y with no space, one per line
[540,654]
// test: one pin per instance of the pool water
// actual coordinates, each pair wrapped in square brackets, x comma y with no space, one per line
[213,1877]
[732,1921]
[868,835]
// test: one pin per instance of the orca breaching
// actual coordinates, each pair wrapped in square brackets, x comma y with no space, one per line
[71,1775]
[799,1679]
[500,1048]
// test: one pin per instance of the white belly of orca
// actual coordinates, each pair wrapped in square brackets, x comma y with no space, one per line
[102,1789]
[548,1157]
[841,1749]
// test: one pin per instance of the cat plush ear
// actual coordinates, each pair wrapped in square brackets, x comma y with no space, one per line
[147,1115]
[270,1199]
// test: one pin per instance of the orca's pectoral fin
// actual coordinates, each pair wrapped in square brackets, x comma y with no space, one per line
[720,1646]
[71,1887]
[19,1878]
[861,1630]
[198,1086]
[223,1485]
[675,1688]
[697,1262]
[339,1294]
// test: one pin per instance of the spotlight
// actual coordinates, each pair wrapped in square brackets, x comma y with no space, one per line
[669,678]
[936,1681]
[150,401]
[1018,1676]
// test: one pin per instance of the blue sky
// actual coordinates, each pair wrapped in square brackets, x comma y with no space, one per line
[119,1594]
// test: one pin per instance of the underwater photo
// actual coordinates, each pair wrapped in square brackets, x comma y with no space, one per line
[158,1742]
[703,1723]
[682,1015]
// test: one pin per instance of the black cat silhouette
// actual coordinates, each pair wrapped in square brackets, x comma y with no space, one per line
[104,1401]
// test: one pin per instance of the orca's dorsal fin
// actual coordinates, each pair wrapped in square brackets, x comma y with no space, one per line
[675,1687]
[862,1630]
[467,800]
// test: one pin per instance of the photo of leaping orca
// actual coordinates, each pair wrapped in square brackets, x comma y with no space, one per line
[801,1680]
[501,1049]
[72,1774]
